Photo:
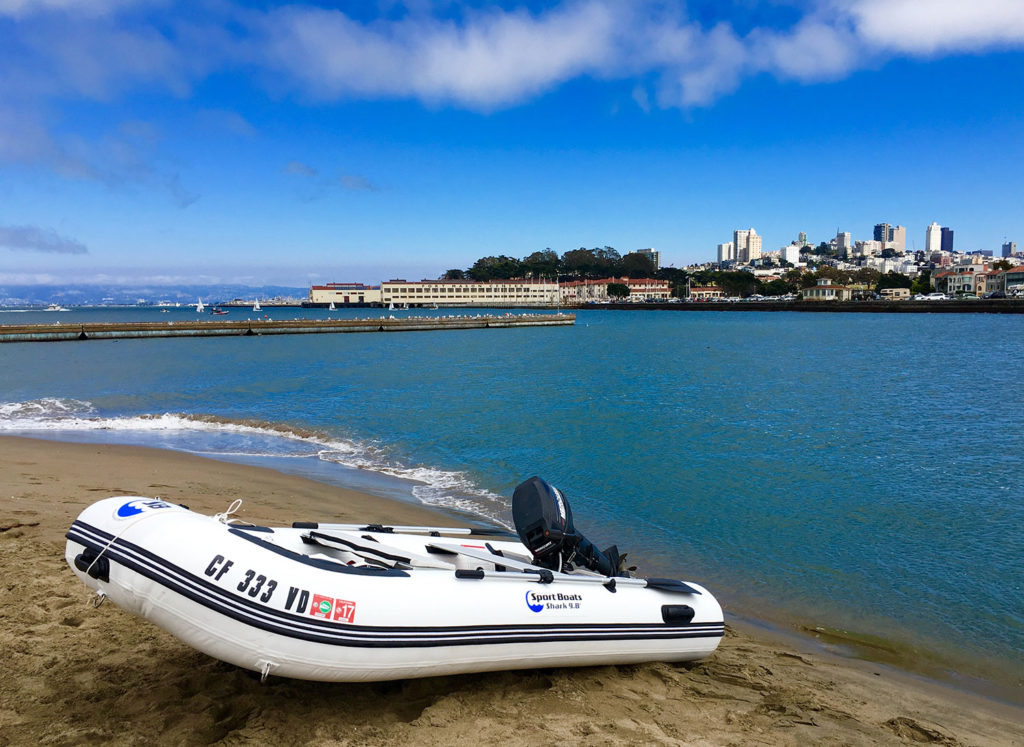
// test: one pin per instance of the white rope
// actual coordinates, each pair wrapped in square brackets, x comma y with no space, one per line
[226,517]
[115,538]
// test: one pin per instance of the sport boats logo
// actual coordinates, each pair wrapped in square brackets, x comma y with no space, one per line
[136,506]
[553,601]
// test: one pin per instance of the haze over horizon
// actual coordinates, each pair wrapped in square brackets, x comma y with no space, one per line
[261,143]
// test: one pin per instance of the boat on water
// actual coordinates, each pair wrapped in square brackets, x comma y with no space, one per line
[256,305]
[217,311]
[332,307]
[367,602]
[200,307]
[55,307]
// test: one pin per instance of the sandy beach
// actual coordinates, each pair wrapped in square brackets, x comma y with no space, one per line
[74,674]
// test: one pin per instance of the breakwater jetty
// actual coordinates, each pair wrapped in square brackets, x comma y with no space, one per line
[59,332]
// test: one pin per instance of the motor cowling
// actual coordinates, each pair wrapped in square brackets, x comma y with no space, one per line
[543,521]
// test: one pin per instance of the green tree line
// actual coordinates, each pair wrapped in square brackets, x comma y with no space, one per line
[577,264]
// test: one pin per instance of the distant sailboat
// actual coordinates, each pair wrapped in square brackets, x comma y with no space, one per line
[332,307]
[199,307]
[391,306]
[256,306]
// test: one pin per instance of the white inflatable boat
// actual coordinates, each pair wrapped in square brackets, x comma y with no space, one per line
[340,602]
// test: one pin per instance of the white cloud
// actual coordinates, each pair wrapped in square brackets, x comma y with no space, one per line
[478,58]
[927,27]
[23,8]
[494,58]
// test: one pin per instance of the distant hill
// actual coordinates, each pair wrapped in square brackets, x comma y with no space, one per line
[94,295]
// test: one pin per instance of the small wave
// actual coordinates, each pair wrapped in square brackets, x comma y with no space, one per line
[43,410]
[430,486]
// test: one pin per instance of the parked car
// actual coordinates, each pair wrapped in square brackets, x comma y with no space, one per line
[995,294]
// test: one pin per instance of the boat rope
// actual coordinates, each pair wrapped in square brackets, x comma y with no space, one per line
[114,539]
[226,517]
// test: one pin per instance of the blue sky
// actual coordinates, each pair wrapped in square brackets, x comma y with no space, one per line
[267,143]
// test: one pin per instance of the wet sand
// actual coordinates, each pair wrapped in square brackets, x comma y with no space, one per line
[74,674]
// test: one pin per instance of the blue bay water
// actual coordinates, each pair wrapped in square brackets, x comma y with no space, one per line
[855,471]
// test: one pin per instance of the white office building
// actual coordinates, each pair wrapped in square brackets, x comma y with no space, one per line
[933,237]
[790,254]
[747,245]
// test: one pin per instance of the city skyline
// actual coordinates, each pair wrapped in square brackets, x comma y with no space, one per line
[300,144]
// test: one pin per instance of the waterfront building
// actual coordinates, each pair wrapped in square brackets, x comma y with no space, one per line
[596,291]
[965,277]
[947,239]
[345,294]
[653,255]
[995,280]
[726,252]
[705,292]
[1009,248]
[530,292]
[826,290]
[933,238]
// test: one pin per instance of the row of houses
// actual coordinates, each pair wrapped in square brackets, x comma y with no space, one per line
[978,279]
[494,293]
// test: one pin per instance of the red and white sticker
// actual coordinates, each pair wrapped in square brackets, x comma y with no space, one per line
[327,608]
[321,606]
[344,610]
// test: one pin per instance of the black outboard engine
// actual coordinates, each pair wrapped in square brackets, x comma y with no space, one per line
[543,520]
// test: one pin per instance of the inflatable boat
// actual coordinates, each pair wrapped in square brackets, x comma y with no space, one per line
[351,602]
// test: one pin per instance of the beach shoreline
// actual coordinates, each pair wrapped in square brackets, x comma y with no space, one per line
[75,666]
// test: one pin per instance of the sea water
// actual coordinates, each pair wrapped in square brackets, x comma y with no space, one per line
[857,472]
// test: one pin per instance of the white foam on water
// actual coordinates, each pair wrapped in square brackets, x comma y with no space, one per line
[431,486]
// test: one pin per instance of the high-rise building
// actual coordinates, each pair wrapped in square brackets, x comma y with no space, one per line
[791,253]
[726,252]
[898,238]
[1009,248]
[882,232]
[753,246]
[802,239]
[739,244]
[947,239]
[844,242]
[747,245]
[654,256]
[933,237]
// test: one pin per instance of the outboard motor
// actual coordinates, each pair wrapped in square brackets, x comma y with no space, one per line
[543,521]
